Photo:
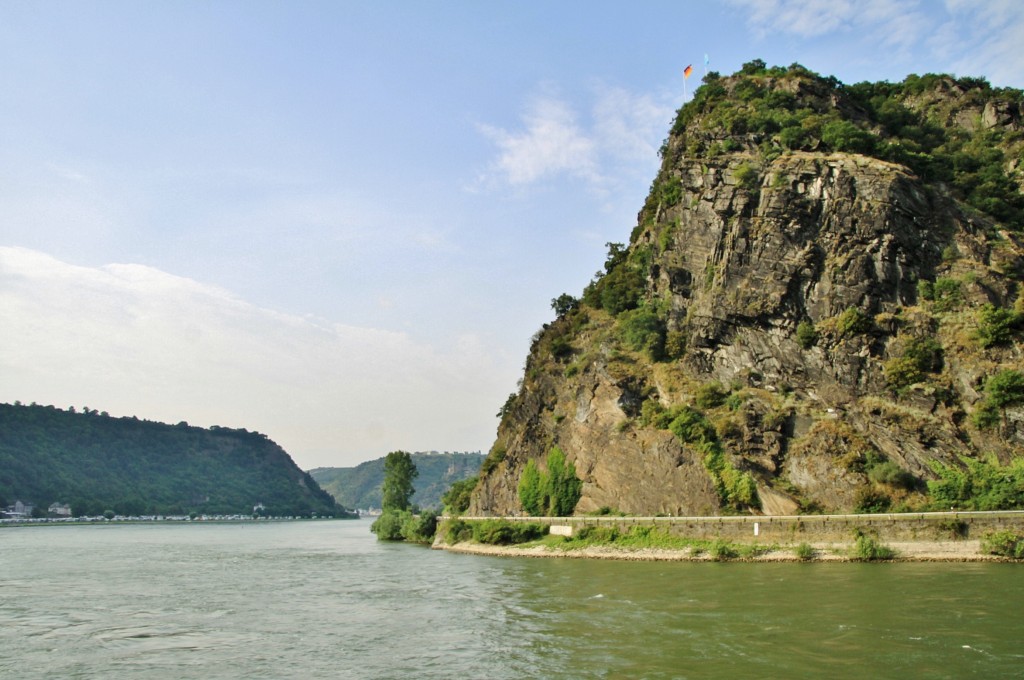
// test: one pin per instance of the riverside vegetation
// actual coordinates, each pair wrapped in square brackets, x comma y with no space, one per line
[399,519]
[819,310]
[529,538]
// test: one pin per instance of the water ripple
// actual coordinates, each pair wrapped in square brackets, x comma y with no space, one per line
[325,600]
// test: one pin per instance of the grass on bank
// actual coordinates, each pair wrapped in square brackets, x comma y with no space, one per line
[529,534]
[1004,544]
[866,547]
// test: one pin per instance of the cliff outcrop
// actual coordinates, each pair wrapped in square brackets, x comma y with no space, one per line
[818,310]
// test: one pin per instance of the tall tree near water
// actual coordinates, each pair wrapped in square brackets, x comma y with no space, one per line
[399,473]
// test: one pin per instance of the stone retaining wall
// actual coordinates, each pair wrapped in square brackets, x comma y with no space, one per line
[902,527]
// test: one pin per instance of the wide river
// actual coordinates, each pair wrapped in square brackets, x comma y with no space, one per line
[326,600]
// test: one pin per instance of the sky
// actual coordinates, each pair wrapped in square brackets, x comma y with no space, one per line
[340,223]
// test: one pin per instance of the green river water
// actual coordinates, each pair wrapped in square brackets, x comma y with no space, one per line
[326,600]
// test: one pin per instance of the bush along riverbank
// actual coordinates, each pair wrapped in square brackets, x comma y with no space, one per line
[659,539]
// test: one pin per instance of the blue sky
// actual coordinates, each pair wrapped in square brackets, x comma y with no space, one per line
[339,223]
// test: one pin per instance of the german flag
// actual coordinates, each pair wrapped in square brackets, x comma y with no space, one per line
[687,71]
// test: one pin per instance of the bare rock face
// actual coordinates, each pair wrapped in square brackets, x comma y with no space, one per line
[620,468]
[815,236]
[816,308]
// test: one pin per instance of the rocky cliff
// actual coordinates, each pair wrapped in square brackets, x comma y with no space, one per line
[818,309]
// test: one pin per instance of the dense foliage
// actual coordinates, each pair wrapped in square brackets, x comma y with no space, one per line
[455,500]
[554,491]
[772,110]
[492,531]
[1004,544]
[979,485]
[399,473]
[404,525]
[398,521]
[97,463]
[866,548]
[1002,390]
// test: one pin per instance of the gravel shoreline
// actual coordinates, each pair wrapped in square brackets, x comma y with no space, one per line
[916,551]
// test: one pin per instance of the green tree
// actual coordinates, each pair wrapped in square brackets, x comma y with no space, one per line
[710,395]
[456,498]
[1005,388]
[902,372]
[554,492]
[806,334]
[507,406]
[419,528]
[691,427]
[745,175]
[564,488]
[399,473]
[947,294]
[388,526]
[997,325]
[843,135]
[852,321]
[531,490]
[564,303]
[753,67]
[643,330]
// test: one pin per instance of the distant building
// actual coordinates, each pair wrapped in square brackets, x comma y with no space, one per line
[60,509]
[19,510]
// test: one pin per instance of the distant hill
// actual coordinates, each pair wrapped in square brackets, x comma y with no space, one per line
[96,463]
[359,487]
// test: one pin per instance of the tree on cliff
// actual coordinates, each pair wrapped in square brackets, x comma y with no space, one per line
[554,492]
[564,486]
[399,472]
[456,498]
[532,494]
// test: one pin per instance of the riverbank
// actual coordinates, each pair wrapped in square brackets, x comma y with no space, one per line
[910,551]
[170,519]
[953,536]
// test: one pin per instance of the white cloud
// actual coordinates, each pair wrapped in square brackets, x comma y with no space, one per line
[552,143]
[630,127]
[891,23]
[134,340]
[806,18]
[966,37]
[985,38]
[624,132]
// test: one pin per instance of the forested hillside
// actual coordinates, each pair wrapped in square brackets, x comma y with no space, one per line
[96,463]
[360,487]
